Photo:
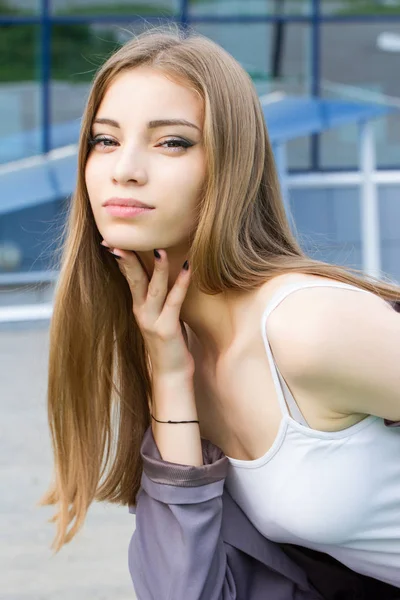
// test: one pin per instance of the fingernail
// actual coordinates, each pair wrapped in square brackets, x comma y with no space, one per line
[103,243]
[157,254]
[186,265]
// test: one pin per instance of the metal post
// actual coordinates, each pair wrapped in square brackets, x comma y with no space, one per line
[45,74]
[315,73]
[184,16]
[278,41]
[369,208]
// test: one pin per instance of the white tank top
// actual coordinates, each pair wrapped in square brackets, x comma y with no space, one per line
[336,492]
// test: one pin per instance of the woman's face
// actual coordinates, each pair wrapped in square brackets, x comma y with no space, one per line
[135,156]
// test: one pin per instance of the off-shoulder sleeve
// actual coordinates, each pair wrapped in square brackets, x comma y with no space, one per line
[176,551]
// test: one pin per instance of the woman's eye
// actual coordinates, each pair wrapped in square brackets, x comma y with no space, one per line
[103,142]
[176,144]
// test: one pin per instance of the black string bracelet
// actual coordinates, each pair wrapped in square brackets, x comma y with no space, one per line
[175,422]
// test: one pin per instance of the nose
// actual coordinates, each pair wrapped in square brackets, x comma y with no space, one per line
[129,167]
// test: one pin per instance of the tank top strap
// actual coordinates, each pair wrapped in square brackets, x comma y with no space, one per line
[287,402]
[291,403]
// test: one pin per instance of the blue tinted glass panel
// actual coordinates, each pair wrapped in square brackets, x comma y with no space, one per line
[19,7]
[360,7]
[367,77]
[78,51]
[161,8]
[329,226]
[250,7]
[20,134]
[276,70]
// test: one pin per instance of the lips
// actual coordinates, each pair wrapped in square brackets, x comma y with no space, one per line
[126,211]
[132,202]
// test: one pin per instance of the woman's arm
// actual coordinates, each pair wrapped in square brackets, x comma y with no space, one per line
[176,552]
[174,399]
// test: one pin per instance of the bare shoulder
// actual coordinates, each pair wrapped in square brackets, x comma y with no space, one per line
[307,318]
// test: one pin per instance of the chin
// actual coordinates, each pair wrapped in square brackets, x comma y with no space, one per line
[128,247]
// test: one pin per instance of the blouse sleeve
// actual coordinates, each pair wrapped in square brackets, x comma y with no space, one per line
[177,551]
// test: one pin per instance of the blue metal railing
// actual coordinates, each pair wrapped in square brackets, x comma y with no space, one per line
[315,74]
[45,74]
[79,19]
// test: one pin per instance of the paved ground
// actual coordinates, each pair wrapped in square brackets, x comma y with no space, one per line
[94,565]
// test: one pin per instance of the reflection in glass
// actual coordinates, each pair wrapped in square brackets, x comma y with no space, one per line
[253,46]
[250,7]
[19,92]
[78,51]
[19,7]
[162,8]
[360,7]
[367,77]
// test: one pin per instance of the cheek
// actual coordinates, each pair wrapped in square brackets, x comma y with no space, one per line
[189,181]
[94,180]
[182,196]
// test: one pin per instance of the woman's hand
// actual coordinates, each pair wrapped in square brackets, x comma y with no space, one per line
[157,313]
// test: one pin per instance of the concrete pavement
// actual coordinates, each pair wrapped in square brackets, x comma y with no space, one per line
[94,565]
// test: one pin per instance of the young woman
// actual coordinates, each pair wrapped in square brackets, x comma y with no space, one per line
[197,352]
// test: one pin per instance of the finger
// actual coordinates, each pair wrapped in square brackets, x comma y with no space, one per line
[135,275]
[173,303]
[158,286]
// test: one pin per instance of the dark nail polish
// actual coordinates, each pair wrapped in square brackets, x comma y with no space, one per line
[186,265]
[157,254]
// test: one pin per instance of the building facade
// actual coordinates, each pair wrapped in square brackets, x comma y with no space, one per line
[339,49]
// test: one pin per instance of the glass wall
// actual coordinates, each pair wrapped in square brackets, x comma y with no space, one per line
[20,89]
[238,8]
[361,67]
[20,7]
[51,49]
[123,8]
[347,49]
[351,8]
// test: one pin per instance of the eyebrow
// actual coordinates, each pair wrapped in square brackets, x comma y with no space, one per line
[150,124]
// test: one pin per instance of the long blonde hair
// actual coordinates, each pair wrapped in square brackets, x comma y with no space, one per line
[99,380]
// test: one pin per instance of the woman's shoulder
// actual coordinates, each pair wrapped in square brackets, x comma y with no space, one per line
[307,314]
